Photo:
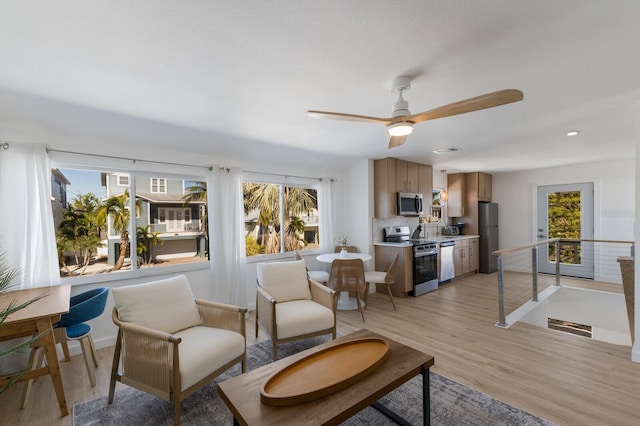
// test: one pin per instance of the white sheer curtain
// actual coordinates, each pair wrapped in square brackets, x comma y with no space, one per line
[27,233]
[226,224]
[326,208]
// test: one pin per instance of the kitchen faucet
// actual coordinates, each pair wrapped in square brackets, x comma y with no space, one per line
[438,227]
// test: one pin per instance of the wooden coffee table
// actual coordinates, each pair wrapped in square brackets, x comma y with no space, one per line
[242,393]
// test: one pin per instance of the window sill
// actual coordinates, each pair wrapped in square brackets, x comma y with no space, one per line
[138,273]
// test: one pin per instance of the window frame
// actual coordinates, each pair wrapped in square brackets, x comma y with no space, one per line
[116,167]
[283,182]
[161,183]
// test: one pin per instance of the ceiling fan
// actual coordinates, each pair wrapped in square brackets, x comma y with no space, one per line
[401,122]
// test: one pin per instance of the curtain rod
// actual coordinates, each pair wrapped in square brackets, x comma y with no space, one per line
[289,176]
[134,160]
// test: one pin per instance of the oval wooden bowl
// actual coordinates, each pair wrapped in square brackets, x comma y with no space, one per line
[324,372]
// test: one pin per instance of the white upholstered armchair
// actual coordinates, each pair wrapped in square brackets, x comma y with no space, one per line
[170,344]
[289,306]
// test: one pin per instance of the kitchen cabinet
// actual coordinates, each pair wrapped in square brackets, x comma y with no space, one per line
[484,187]
[384,187]
[403,283]
[465,255]
[391,175]
[456,204]
[474,258]
[478,188]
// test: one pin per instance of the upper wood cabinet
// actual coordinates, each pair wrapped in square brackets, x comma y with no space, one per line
[484,187]
[384,187]
[392,176]
[456,190]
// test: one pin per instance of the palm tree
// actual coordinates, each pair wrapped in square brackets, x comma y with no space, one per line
[146,240]
[117,208]
[266,198]
[79,231]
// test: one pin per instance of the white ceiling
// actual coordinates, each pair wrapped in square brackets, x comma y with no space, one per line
[225,77]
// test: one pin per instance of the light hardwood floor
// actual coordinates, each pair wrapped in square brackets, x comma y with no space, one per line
[569,380]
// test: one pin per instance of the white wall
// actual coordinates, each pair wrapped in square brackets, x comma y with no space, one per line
[354,213]
[614,195]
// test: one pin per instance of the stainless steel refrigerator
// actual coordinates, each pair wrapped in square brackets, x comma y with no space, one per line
[488,230]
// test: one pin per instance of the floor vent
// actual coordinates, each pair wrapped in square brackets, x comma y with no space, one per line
[569,327]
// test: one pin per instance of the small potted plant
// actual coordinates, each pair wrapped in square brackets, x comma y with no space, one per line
[343,241]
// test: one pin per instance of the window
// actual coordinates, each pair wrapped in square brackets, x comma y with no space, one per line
[164,231]
[158,186]
[280,218]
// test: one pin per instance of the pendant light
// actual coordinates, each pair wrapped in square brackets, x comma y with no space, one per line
[444,196]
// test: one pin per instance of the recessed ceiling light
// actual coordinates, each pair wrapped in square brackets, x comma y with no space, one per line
[443,151]
[573,133]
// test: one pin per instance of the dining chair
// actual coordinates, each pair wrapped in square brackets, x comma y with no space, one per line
[348,275]
[319,276]
[350,249]
[73,326]
[386,277]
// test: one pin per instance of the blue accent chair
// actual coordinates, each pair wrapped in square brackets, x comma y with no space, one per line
[72,326]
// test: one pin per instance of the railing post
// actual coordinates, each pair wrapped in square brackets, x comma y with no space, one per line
[534,272]
[503,321]
[557,245]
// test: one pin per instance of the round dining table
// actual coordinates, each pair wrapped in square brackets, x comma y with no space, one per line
[345,303]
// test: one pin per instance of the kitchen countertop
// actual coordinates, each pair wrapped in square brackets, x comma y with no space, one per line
[437,239]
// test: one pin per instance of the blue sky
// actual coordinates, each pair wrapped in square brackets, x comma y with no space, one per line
[83,182]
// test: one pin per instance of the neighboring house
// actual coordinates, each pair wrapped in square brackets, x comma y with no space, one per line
[59,184]
[180,228]
[310,235]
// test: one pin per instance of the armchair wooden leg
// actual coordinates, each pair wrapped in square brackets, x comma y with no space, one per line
[176,410]
[114,366]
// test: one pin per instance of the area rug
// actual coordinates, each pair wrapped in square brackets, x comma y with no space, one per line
[451,403]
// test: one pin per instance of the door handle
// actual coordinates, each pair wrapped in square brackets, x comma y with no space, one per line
[542,236]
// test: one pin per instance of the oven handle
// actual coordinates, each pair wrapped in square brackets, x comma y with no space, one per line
[423,254]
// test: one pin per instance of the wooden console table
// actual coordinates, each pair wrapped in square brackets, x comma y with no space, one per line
[242,393]
[37,318]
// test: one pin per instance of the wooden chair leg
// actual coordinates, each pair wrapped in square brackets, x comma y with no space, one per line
[359,305]
[366,295]
[33,364]
[93,351]
[61,337]
[86,349]
[391,297]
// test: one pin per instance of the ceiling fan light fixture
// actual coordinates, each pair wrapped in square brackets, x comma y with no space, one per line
[400,129]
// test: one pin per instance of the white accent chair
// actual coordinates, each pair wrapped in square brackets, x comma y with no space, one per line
[170,344]
[289,306]
[316,275]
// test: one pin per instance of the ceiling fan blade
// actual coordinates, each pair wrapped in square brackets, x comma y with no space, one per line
[396,141]
[348,117]
[489,100]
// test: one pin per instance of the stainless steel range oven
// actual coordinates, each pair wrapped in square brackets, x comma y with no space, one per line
[425,267]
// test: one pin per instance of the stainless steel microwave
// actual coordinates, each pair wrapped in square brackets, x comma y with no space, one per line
[409,204]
